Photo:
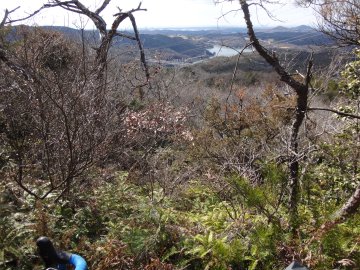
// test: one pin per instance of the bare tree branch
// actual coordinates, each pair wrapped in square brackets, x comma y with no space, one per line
[141,49]
[78,7]
[335,111]
[348,209]
[6,16]
[103,6]
[351,206]
[107,38]
[125,36]
[234,74]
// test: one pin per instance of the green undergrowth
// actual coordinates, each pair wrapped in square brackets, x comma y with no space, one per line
[197,230]
[126,226]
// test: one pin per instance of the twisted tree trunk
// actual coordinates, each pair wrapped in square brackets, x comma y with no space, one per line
[301,89]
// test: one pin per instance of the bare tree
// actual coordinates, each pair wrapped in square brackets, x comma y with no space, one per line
[56,110]
[54,127]
[341,21]
[300,88]
[338,19]
[107,35]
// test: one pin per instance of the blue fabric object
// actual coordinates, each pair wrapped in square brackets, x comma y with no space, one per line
[78,262]
[75,260]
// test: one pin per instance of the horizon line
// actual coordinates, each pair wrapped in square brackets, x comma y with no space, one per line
[185,27]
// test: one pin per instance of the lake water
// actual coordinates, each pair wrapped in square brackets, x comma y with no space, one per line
[225,51]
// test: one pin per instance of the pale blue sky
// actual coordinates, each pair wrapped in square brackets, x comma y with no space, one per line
[167,13]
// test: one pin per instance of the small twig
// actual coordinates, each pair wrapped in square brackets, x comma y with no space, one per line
[234,74]
[21,19]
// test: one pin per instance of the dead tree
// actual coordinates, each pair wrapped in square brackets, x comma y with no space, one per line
[301,89]
[107,36]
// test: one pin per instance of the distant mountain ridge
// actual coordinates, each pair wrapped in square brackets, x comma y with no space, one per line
[194,42]
[300,28]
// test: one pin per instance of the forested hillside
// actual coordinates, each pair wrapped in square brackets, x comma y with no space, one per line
[132,160]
